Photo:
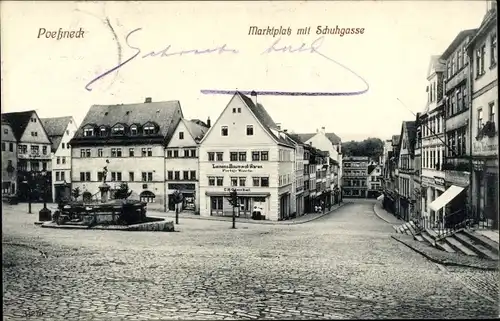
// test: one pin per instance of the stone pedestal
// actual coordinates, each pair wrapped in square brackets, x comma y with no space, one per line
[104,188]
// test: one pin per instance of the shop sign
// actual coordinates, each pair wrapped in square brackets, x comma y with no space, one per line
[427,181]
[439,181]
[457,178]
[231,168]
[483,146]
[237,189]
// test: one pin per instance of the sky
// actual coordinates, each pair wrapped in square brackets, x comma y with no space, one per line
[391,56]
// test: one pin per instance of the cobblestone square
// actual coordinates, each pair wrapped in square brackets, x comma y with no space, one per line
[342,265]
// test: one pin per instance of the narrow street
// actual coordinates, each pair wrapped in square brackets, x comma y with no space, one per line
[342,265]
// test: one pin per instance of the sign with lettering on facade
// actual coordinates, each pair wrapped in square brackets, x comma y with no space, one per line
[457,178]
[438,180]
[237,189]
[231,168]
[484,146]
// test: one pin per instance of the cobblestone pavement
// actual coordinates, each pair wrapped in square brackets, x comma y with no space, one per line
[343,265]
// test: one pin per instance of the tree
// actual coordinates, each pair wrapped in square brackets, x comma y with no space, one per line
[123,192]
[76,193]
[371,147]
[177,198]
[233,200]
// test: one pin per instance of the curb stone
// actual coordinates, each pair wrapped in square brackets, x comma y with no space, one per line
[265,222]
[383,219]
[442,262]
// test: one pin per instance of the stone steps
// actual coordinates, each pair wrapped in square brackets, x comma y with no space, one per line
[458,246]
[475,247]
[480,239]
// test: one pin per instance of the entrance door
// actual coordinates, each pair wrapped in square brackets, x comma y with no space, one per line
[216,205]
[245,209]
[492,201]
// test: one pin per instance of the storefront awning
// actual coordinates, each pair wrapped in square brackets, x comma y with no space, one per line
[445,198]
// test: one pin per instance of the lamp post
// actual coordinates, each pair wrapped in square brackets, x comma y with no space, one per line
[44,214]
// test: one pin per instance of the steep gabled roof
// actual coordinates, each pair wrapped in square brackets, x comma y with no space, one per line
[163,113]
[55,128]
[331,136]
[18,121]
[435,65]
[196,130]
[458,39]
[265,119]
[9,136]
[489,20]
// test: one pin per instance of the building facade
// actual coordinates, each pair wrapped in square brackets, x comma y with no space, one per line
[245,151]
[124,143]
[299,184]
[9,161]
[390,178]
[374,181]
[181,164]
[483,53]
[33,154]
[457,130]
[355,175]
[406,170]
[60,131]
[432,129]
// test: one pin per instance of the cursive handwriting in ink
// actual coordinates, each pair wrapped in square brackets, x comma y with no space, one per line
[165,52]
[313,47]
[119,65]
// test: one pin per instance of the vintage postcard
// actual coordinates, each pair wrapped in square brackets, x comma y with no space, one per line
[249,160]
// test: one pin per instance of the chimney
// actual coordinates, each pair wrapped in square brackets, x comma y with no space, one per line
[278,125]
[254,94]
[148,100]
[285,130]
[208,122]
[322,130]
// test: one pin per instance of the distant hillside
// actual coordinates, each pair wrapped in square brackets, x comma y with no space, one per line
[371,147]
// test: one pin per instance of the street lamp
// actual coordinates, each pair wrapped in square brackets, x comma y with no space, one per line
[44,214]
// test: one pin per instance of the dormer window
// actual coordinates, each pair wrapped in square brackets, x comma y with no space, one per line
[102,131]
[87,132]
[133,130]
[149,129]
[118,130]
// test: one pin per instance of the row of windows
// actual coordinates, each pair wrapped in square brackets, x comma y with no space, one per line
[120,130]
[35,149]
[60,175]
[355,183]
[284,179]
[116,176]
[22,165]
[224,130]
[116,152]
[458,101]
[491,115]
[238,181]
[188,153]
[239,156]
[457,62]
[457,141]
[61,159]
[405,162]
[186,175]
[433,126]
[404,186]
[285,155]
[4,147]
[432,158]
[481,55]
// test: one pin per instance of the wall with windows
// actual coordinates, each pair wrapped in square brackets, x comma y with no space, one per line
[61,158]
[142,167]
[9,161]
[33,150]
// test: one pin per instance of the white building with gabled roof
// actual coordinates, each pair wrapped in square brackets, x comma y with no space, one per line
[181,164]
[245,150]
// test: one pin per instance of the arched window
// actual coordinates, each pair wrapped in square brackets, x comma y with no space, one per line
[118,129]
[103,132]
[149,129]
[133,130]
[147,197]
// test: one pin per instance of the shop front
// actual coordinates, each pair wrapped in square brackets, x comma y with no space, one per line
[188,192]
[248,202]
[485,192]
